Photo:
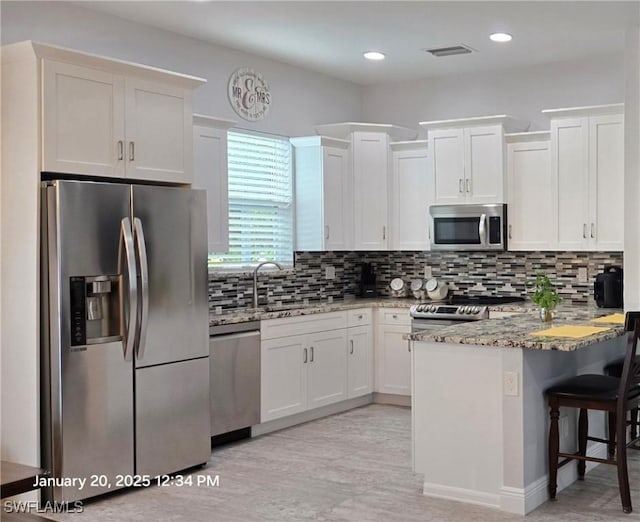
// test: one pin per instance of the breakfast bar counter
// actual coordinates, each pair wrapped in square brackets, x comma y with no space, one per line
[480,417]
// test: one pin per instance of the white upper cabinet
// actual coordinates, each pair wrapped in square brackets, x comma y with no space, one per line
[587,165]
[83,120]
[323,193]
[105,117]
[371,189]
[410,196]
[467,159]
[210,173]
[530,208]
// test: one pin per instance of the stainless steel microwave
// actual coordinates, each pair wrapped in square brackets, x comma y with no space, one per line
[468,227]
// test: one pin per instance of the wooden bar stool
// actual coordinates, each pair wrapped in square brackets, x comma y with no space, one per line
[616,396]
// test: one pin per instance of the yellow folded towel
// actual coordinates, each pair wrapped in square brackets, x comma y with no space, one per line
[616,318]
[573,332]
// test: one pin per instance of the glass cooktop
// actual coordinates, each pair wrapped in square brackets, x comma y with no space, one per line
[485,300]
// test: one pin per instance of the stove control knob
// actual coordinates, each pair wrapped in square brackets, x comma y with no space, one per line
[476,310]
[460,310]
[469,309]
[433,308]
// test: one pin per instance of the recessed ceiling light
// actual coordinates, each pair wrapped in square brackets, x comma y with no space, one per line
[373,55]
[500,37]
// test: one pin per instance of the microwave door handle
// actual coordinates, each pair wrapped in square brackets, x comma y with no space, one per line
[482,229]
[129,329]
[141,248]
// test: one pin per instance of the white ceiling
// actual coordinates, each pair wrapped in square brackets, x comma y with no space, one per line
[330,36]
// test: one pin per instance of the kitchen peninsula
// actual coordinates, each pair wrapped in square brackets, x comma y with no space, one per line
[480,418]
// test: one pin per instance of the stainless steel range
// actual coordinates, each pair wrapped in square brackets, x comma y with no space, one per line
[457,309]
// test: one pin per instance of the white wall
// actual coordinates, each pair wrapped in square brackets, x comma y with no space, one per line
[520,92]
[301,99]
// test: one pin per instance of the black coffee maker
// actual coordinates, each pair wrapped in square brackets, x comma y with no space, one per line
[367,280]
[607,288]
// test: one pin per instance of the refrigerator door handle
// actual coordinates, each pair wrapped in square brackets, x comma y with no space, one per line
[141,248]
[129,330]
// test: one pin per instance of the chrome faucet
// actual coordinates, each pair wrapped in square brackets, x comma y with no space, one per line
[255,279]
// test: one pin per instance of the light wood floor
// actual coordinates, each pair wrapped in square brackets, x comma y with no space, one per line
[355,466]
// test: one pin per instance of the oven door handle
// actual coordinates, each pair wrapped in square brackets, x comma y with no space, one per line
[482,229]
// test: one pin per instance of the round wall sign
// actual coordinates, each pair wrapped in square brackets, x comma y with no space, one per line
[249,94]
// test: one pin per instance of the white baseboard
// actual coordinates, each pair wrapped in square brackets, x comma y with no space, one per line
[390,398]
[469,496]
[306,416]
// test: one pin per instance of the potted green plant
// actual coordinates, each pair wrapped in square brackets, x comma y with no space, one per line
[545,296]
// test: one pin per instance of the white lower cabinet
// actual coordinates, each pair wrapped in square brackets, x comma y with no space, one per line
[393,358]
[303,368]
[283,377]
[326,368]
[360,361]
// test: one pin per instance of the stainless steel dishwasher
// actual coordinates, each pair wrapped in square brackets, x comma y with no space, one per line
[235,376]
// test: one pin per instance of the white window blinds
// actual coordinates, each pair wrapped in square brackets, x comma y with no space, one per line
[260,201]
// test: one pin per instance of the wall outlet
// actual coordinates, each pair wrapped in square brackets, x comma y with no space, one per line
[427,272]
[582,274]
[329,272]
[510,383]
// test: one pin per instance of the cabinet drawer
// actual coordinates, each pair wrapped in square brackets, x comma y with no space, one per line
[359,317]
[399,316]
[303,324]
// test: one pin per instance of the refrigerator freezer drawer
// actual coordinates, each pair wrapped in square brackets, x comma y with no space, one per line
[172,417]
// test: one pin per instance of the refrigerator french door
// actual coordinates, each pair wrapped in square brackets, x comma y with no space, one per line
[125,370]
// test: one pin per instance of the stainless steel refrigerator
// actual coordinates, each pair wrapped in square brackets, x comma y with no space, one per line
[125,369]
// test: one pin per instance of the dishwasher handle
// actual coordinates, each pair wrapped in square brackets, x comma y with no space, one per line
[240,335]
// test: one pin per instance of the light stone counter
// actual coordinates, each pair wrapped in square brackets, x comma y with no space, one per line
[515,331]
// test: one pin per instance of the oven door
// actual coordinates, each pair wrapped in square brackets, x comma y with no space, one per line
[468,227]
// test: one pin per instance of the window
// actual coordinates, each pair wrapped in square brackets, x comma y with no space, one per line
[260,202]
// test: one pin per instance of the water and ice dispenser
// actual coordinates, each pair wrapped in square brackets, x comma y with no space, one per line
[96,304]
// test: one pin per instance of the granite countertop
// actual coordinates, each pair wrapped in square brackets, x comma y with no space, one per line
[243,315]
[262,313]
[515,331]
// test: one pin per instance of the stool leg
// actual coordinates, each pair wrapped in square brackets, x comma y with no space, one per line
[634,423]
[554,446]
[621,461]
[611,447]
[583,428]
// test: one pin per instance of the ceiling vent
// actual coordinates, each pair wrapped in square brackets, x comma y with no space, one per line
[450,51]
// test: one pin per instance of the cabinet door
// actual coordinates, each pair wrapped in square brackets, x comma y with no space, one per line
[327,368]
[446,149]
[370,186]
[159,132]
[410,200]
[484,164]
[83,121]
[283,377]
[393,360]
[569,165]
[337,199]
[360,361]
[210,174]
[606,182]
[531,211]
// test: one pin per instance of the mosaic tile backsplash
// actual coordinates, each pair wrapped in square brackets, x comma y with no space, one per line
[501,273]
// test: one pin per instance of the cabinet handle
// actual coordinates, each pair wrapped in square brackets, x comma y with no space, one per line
[311,359]
[593,230]
[584,231]
[120,150]
[305,356]
[132,151]
[461,185]
[360,316]
[468,185]
[384,232]
[394,316]
[351,351]
[408,345]
[509,231]
[326,231]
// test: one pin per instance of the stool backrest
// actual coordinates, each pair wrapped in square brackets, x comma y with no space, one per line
[630,379]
